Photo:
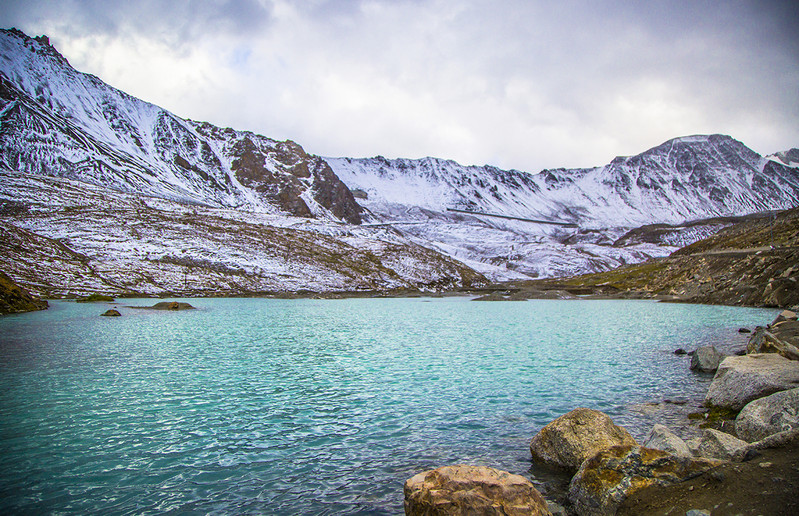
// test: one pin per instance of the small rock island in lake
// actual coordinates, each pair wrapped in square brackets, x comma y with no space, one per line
[167,305]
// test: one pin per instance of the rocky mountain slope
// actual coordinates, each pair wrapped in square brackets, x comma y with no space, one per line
[61,237]
[129,198]
[684,179]
[60,122]
[14,299]
[752,263]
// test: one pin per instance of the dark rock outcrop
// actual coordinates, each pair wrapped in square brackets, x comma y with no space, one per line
[171,305]
[113,312]
[706,359]
[14,299]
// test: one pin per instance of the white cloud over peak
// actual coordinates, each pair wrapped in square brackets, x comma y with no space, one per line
[515,84]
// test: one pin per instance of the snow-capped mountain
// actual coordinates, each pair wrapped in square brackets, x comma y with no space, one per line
[789,158]
[684,179]
[398,223]
[61,122]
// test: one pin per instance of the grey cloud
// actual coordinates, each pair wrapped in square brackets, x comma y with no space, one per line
[175,22]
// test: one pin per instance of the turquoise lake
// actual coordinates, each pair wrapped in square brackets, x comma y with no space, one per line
[316,406]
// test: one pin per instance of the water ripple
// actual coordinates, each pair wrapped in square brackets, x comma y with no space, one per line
[314,407]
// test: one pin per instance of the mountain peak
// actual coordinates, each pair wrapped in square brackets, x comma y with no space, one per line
[40,44]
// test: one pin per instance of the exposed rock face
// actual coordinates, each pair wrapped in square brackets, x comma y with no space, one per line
[769,415]
[473,490]
[782,337]
[606,479]
[740,380]
[706,359]
[14,299]
[111,313]
[79,127]
[661,438]
[730,268]
[572,438]
[719,445]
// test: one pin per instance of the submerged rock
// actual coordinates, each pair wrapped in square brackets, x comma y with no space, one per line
[706,359]
[474,490]
[572,438]
[769,415]
[740,380]
[661,438]
[605,480]
[113,312]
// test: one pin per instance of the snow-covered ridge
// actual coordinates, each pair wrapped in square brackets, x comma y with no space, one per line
[789,158]
[683,179]
[61,122]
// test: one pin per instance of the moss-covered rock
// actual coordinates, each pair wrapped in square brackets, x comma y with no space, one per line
[605,480]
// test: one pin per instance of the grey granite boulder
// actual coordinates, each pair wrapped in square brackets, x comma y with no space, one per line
[740,380]
[661,438]
[769,415]
[477,490]
[605,480]
[706,359]
[573,437]
[719,445]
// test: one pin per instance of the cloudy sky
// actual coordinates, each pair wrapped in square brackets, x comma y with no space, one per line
[512,83]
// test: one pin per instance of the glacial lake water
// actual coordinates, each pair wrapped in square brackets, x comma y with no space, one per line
[315,406]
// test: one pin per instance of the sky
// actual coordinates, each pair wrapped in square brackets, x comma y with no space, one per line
[522,84]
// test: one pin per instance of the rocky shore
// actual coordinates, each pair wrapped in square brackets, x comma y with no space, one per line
[14,299]
[745,461]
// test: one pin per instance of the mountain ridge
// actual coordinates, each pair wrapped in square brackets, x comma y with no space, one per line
[58,122]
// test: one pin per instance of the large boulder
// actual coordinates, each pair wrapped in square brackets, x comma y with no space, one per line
[706,359]
[719,445]
[473,490]
[785,315]
[605,480]
[570,439]
[661,438]
[767,416]
[740,380]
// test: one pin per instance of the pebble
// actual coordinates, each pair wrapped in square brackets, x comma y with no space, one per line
[697,512]
[765,464]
